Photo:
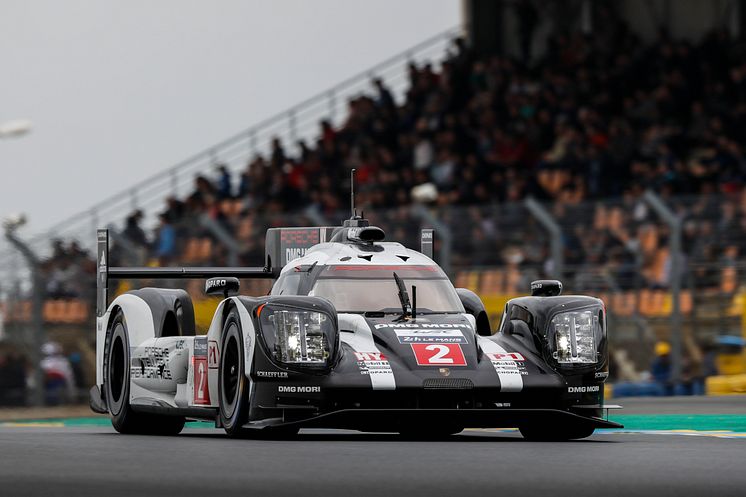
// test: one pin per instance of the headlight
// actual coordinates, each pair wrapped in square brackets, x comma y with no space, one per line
[575,336]
[297,336]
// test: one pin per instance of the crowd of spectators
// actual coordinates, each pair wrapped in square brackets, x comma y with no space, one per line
[66,273]
[598,117]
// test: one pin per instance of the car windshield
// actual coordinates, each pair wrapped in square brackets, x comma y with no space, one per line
[373,288]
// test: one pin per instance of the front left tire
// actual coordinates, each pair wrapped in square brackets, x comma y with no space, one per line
[117,387]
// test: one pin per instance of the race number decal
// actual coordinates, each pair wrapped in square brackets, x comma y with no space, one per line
[438,354]
[199,365]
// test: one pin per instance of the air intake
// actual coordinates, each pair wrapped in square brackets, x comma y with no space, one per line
[447,384]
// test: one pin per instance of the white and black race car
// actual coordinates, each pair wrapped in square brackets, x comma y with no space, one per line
[356,333]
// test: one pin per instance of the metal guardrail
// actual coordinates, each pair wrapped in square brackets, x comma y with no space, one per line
[298,122]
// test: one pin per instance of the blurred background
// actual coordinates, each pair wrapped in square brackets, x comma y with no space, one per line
[596,142]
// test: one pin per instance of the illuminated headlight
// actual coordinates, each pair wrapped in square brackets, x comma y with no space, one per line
[575,337]
[300,336]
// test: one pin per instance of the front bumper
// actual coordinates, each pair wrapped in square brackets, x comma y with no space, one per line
[391,420]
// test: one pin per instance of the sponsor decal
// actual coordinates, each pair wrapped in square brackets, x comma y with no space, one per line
[213,354]
[438,354]
[298,389]
[372,363]
[502,404]
[200,347]
[296,242]
[153,364]
[602,375]
[215,283]
[508,362]
[509,370]
[505,356]
[272,374]
[294,253]
[199,366]
[430,335]
[425,326]
[588,389]
[369,356]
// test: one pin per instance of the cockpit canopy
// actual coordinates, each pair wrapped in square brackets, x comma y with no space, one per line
[358,288]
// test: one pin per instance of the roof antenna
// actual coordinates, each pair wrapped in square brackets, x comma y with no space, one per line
[352,192]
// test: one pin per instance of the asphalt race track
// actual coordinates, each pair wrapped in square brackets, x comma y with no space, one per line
[51,459]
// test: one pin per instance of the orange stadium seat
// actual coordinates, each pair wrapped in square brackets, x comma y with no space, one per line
[623,304]
[468,279]
[492,281]
[686,302]
[513,280]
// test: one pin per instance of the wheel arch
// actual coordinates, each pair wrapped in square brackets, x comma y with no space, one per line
[215,332]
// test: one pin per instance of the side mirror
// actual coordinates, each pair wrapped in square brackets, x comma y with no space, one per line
[226,287]
[474,306]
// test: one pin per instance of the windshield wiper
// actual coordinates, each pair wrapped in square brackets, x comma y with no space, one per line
[406,306]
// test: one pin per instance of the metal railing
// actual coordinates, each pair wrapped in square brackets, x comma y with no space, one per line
[300,122]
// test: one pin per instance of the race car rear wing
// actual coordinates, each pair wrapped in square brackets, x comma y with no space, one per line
[104,272]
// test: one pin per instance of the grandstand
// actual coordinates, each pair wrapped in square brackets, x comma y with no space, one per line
[444,135]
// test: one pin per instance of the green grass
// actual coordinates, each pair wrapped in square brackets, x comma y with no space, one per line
[701,422]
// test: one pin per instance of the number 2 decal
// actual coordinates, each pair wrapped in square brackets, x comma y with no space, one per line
[201,376]
[439,354]
[201,392]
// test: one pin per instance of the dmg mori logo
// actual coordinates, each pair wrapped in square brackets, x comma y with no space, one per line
[301,389]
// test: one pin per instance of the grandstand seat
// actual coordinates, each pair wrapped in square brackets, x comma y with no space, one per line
[513,280]
[623,304]
[686,302]
[468,279]
[492,282]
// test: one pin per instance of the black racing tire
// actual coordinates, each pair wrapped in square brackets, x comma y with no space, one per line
[117,387]
[233,385]
[556,433]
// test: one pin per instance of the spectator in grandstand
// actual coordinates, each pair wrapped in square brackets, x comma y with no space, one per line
[165,244]
[224,187]
[59,376]
[660,370]
[132,230]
